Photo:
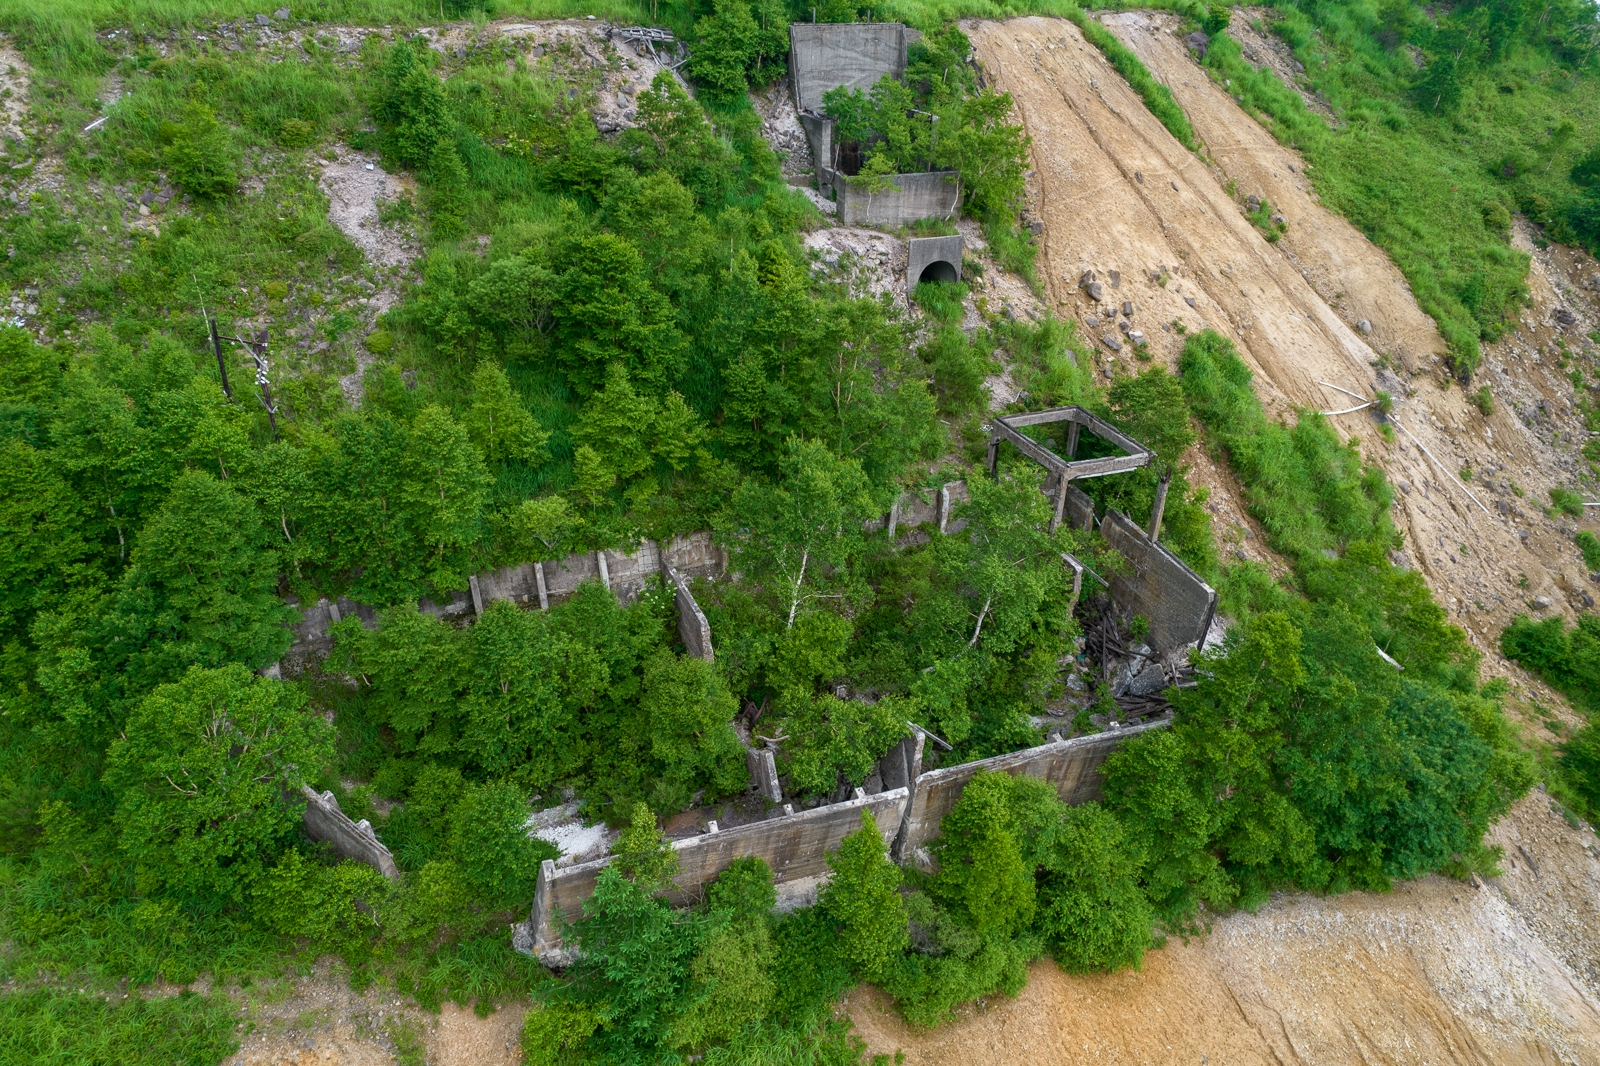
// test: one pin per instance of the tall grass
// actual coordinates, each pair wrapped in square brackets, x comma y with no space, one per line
[50,1027]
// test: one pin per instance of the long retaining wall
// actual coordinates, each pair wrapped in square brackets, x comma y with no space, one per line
[796,845]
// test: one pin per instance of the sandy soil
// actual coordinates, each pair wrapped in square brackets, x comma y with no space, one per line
[1435,972]
[1118,193]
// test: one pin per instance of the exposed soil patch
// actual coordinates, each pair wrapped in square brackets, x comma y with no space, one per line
[1435,972]
[317,1021]
[15,81]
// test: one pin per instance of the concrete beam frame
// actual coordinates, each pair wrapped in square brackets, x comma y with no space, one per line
[1009,427]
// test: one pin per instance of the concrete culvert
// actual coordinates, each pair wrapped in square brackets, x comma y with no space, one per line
[932,259]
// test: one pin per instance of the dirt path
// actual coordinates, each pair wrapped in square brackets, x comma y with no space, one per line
[1435,972]
[1120,196]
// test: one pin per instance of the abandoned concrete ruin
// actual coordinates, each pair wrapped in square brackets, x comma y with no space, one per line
[907,800]
[856,55]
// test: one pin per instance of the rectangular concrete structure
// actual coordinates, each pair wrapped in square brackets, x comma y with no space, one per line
[1072,766]
[923,252]
[323,820]
[795,846]
[1178,604]
[855,55]
[910,198]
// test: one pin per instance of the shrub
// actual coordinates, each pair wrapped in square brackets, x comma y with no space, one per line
[863,902]
[199,157]
[1567,502]
[1589,545]
[297,133]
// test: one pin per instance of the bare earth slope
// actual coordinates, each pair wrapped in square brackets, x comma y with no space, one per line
[1117,192]
[1436,972]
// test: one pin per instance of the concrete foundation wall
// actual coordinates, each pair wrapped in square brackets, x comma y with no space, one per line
[796,846]
[923,252]
[826,55]
[1072,766]
[693,629]
[629,574]
[324,820]
[1160,586]
[912,197]
[819,135]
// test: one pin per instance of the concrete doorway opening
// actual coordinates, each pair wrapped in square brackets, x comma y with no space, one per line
[938,270]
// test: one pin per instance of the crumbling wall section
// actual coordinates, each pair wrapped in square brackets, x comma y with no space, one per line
[1175,600]
[324,820]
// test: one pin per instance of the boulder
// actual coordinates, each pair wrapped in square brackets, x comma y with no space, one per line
[1110,341]
[1096,291]
[1189,300]
[1364,328]
[1197,43]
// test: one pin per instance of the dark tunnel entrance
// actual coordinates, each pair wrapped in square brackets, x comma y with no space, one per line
[938,270]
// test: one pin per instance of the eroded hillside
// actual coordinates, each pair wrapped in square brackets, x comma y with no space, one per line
[1163,229]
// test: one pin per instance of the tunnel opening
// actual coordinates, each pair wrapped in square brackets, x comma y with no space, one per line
[938,270]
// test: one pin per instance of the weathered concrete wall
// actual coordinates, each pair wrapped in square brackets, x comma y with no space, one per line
[519,584]
[324,820]
[1072,766]
[627,575]
[925,252]
[911,198]
[819,135]
[693,629]
[826,55]
[795,846]
[1161,587]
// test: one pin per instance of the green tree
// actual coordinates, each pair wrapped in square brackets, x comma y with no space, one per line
[443,484]
[982,875]
[732,984]
[499,423]
[489,842]
[207,776]
[790,535]
[1092,912]
[207,559]
[412,106]
[863,902]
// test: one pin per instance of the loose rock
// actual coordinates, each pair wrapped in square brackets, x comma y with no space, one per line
[1364,327]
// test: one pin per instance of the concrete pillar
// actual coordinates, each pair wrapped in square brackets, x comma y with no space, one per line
[600,564]
[993,454]
[1072,440]
[1160,506]
[1061,502]
[763,769]
[944,508]
[544,594]
[477,596]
